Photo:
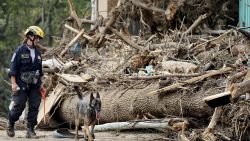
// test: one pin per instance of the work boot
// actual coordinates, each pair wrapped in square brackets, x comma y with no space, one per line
[31,133]
[10,129]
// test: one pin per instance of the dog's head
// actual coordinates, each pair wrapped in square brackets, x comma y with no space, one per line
[95,103]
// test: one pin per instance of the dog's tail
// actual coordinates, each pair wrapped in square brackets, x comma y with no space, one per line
[79,94]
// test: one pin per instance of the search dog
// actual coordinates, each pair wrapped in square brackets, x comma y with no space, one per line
[88,113]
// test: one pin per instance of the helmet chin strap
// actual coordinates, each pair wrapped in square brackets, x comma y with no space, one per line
[32,41]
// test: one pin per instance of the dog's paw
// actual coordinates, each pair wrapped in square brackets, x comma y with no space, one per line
[76,138]
[93,135]
[90,139]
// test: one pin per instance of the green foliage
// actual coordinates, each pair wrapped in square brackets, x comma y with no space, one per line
[5,93]
[17,15]
[82,7]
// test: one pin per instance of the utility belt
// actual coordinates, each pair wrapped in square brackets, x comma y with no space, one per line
[30,77]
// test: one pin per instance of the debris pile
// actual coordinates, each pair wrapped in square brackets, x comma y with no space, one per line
[153,60]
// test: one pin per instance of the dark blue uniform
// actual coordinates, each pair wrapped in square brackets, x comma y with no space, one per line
[22,63]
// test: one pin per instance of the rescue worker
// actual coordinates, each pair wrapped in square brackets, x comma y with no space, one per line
[25,73]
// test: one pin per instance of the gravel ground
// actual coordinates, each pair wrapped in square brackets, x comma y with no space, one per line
[100,136]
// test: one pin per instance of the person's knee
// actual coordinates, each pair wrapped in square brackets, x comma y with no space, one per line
[19,106]
[16,111]
[35,100]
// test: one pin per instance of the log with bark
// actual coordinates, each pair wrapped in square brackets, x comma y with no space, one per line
[137,103]
[146,124]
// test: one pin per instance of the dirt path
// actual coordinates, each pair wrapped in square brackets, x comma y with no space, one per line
[101,136]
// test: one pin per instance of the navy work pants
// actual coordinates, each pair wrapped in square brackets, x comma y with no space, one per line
[34,99]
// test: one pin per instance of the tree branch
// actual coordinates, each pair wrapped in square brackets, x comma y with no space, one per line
[190,81]
[128,41]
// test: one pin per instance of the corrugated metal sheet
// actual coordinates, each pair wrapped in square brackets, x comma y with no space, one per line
[244,13]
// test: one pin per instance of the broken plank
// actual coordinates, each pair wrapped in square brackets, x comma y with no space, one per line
[72,78]
[51,100]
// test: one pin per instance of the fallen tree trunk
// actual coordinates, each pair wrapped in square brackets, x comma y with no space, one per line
[122,104]
[132,125]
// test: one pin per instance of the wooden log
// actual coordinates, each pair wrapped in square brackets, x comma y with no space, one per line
[216,32]
[128,41]
[51,71]
[114,15]
[72,78]
[218,99]
[239,89]
[114,126]
[191,81]
[50,102]
[68,65]
[164,76]
[151,8]
[241,30]
[88,21]
[197,49]
[123,104]
[226,97]
[172,8]
[77,31]
[236,77]
[208,134]
[195,24]
[74,15]
[166,45]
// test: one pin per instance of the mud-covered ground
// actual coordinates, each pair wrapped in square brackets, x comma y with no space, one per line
[100,136]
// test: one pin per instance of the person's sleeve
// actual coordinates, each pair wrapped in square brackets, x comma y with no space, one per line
[41,70]
[14,64]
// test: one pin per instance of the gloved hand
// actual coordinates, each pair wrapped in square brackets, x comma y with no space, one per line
[15,88]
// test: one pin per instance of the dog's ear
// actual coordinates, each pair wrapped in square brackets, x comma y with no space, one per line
[97,95]
[91,97]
